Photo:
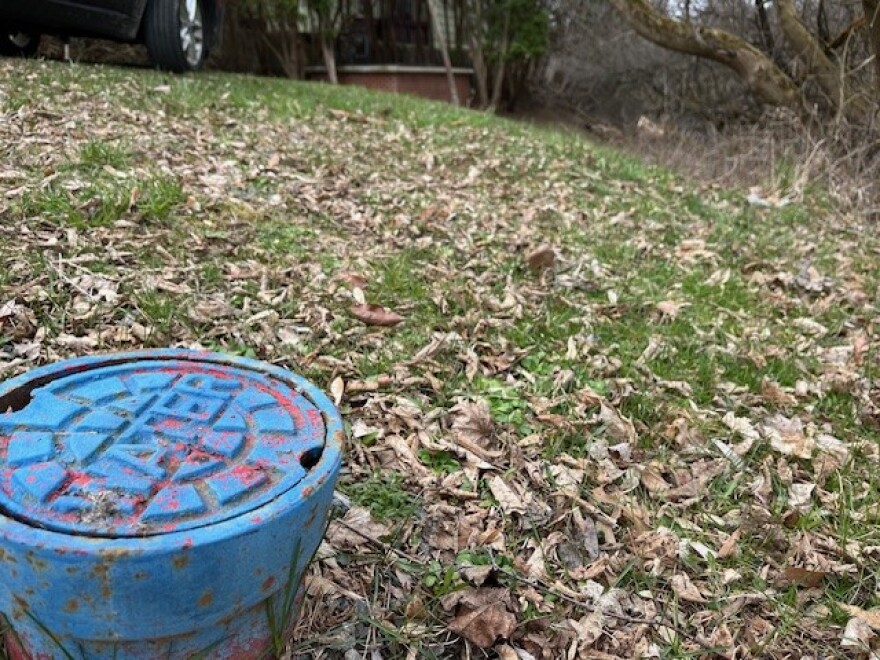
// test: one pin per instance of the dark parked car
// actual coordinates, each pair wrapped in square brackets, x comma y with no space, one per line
[178,33]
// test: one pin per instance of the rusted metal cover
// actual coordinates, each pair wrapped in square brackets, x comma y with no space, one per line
[159,504]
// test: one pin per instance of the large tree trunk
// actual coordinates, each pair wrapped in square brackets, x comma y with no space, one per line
[371,28]
[767,82]
[872,16]
[444,51]
[329,54]
[478,59]
[764,28]
[497,88]
[417,31]
[388,35]
[810,51]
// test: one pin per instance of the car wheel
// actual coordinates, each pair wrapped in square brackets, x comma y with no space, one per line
[19,44]
[174,31]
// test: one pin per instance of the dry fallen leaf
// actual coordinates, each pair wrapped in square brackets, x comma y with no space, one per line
[772,392]
[618,426]
[729,547]
[580,545]
[476,575]
[787,436]
[472,423]
[536,567]
[656,544]
[375,315]
[653,481]
[857,635]
[337,389]
[320,587]
[358,295]
[830,445]
[685,589]
[541,258]
[804,577]
[354,280]
[589,397]
[871,617]
[510,502]
[800,496]
[407,459]
[722,640]
[588,629]
[482,615]
[742,426]
[670,308]
[356,518]
[861,344]
[506,652]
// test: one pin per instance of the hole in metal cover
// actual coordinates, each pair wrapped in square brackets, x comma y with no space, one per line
[310,457]
[17,399]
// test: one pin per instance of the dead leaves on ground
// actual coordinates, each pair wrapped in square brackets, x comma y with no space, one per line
[593,460]
[483,616]
[375,315]
[541,258]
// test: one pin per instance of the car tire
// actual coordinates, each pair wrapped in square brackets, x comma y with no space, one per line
[174,32]
[19,44]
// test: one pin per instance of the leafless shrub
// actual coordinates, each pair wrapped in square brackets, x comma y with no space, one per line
[260,36]
[777,157]
[602,76]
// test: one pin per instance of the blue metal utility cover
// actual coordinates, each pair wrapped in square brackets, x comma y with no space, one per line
[160,504]
[119,448]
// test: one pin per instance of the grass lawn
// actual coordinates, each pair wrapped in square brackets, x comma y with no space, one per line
[622,417]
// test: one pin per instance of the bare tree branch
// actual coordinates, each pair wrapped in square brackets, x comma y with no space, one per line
[810,51]
[841,38]
[767,82]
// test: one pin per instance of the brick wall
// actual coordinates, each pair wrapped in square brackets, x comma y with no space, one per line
[423,82]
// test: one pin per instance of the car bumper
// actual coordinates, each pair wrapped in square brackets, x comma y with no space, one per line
[112,19]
